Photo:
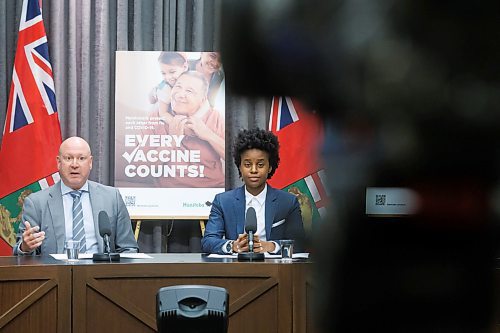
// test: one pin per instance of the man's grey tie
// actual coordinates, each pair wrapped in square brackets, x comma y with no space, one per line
[78,229]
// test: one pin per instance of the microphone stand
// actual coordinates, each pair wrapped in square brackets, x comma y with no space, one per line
[250,241]
[106,256]
[250,256]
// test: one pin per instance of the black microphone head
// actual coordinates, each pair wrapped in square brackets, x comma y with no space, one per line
[104,225]
[251,220]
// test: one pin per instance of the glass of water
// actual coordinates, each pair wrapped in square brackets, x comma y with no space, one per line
[286,250]
[72,247]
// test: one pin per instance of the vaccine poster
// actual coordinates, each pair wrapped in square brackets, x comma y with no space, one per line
[169,132]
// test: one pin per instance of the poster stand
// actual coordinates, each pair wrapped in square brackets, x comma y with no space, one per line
[138,222]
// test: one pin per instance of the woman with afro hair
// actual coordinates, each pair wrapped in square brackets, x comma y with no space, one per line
[256,155]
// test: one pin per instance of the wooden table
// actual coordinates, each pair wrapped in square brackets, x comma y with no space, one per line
[35,295]
[121,297]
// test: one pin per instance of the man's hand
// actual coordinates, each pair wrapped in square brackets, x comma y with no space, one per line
[199,128]
[31,238]
[176,125]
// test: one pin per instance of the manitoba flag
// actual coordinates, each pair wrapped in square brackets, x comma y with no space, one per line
[32,134]
[300,133]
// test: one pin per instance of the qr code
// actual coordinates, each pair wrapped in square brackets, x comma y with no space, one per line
[129,200]
[380,199]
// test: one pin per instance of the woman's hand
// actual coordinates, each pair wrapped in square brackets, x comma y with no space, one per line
[241,245]
[262,246]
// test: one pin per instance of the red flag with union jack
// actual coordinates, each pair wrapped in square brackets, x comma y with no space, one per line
[32,134]
[300,133]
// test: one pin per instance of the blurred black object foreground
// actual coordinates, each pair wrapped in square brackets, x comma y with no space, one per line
[410,93]
[192,309]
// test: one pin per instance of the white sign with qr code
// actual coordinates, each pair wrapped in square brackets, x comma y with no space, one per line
[391,201]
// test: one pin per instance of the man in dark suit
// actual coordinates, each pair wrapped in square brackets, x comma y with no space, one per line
[48,214]
[256,155]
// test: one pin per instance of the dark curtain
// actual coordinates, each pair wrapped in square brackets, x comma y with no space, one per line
[83,37]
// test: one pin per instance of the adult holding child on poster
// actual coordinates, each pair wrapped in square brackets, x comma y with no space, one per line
[190,115]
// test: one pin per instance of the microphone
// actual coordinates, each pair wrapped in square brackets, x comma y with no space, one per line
[104,229]
[250,229]
[105,232]
[250,226]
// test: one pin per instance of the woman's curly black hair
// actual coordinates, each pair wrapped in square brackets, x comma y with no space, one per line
[259,139]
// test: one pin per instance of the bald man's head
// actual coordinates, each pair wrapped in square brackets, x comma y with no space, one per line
[74,162]
[74,141]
